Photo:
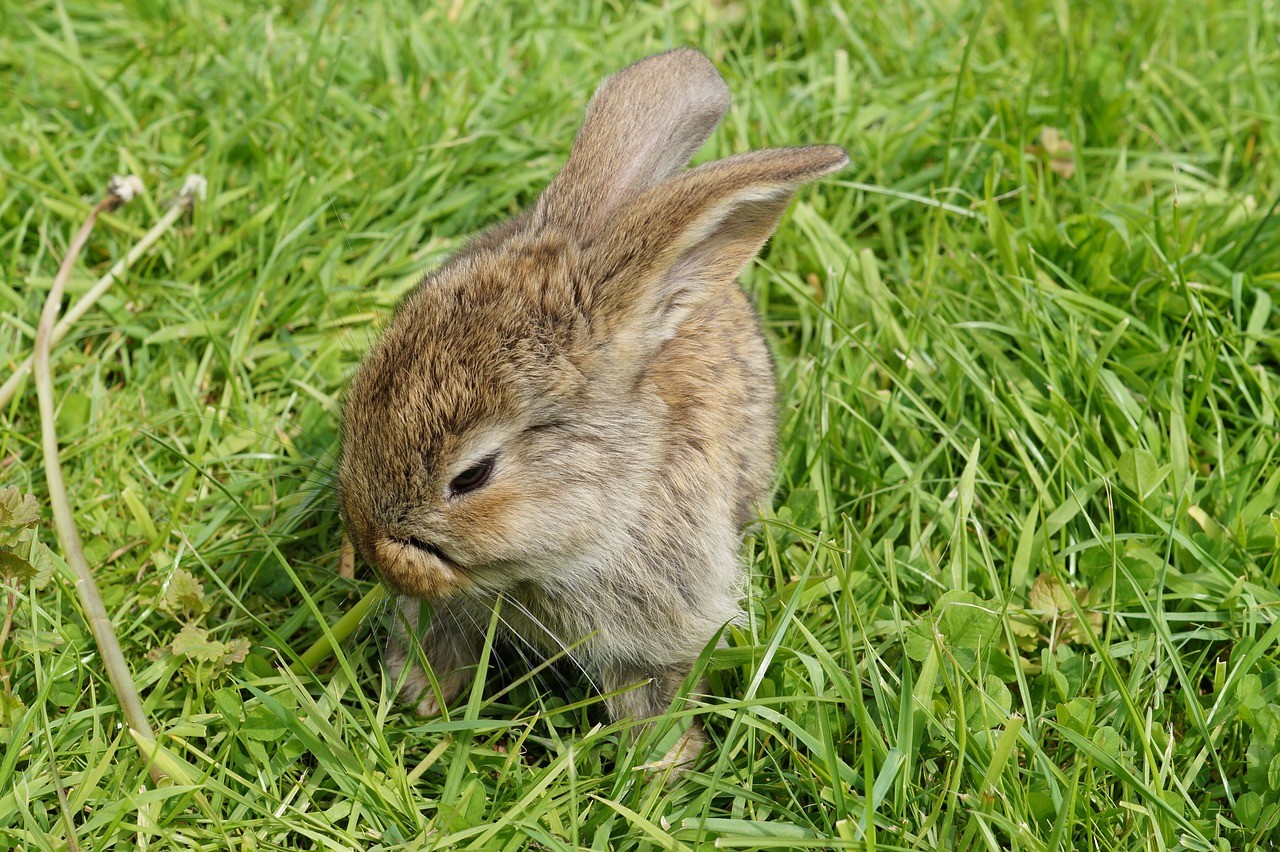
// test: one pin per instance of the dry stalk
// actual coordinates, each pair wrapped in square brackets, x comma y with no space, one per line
[119,191]
[192,190]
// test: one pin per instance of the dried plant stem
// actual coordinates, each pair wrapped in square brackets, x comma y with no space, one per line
[108,646]
[190,191]
[11,603]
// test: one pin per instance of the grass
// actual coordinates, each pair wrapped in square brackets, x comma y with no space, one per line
[1021,583]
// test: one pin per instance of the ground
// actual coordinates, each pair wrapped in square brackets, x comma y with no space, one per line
[1019,587]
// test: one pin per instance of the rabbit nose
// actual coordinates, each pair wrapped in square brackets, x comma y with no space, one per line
[418,568]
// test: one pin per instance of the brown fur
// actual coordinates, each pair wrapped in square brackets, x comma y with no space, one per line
[600,346]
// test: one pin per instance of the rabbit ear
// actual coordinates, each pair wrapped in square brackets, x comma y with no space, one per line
[662,252]
[643,124]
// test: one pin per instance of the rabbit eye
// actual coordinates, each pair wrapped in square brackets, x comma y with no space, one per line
[473,477]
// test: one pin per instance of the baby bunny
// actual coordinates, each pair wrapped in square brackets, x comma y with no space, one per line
[573,418]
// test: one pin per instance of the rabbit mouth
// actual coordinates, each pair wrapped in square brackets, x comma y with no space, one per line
[417,568]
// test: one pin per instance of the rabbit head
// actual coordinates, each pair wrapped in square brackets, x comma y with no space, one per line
[523,415]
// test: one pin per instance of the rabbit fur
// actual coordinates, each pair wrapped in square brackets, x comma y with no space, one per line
[594,363]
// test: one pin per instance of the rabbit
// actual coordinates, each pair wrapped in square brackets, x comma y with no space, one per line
[573,418]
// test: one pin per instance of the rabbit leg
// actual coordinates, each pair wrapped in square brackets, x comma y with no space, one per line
[651,693]
[451,644]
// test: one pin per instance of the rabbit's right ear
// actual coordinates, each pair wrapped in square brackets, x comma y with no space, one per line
[666,250]
[643,125]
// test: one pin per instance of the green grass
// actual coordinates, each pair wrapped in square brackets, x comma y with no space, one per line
[1020,588]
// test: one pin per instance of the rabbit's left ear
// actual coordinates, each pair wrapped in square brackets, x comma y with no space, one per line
[663,251]
[643,125]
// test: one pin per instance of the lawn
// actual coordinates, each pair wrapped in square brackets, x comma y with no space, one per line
[1020,585]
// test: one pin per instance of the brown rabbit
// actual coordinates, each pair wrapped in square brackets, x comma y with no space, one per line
[575,414]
